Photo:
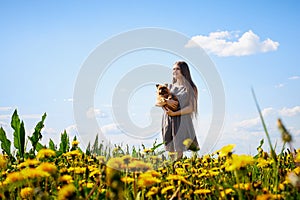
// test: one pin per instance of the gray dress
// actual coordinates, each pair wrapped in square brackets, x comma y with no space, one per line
[178,128]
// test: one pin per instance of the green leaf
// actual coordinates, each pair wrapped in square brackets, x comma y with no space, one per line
[5,143]
[95,146]
[39,146]
[64,142]
[52,145]
[19,134]
[36,136]
[88,149]
[156,146]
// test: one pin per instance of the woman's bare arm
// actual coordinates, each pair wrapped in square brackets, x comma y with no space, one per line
[186,110]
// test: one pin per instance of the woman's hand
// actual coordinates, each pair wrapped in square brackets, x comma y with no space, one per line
[170,112]
[172,103]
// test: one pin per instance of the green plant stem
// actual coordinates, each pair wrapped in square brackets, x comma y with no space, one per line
[265,127]
[238,183]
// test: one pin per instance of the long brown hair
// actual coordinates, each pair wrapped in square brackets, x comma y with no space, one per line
[189,83]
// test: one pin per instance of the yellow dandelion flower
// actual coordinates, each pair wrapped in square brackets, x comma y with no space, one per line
[180,171]
[28,163]
[178,178]
[297,157]
[268,196]
[281,186]
[90,160]
[73,153]
[154,173]
[213,173]
[243,186]
[127,179]
[226,191]
[148,151]
[224,151]
[3,162]
[70,169]
[45,153]
[115,163]
[66,179]
[202,191]
[190,145]
[82,182]
[101,159]
[13,177]
[146,180]
[79,170]
[66,192]
[26,192]
[166,189]
[75,143]
[261,162]
[63,170]
[94,172]
[126,159]
[139,166]
[297,170]
[101,190]
[152,191]
[47,167]
[33,173]
[238,161]
[90,185]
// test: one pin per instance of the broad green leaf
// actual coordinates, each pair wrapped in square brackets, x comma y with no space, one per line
[95,146]
[37,135]
[64,142]
[5,143]
[52,145]
[88,149]
[39,146]
[19,133]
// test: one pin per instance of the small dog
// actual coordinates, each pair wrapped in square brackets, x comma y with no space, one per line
[163,94]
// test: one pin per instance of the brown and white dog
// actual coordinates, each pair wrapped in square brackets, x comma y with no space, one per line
[163,94]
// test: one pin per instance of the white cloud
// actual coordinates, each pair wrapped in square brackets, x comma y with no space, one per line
[95,112]
[71,129]
[5,116]
[110,129]
[5,108]
[225,43]
[253,122]
[280,85]
[294,77]
[31,116]
[289,112]
[3,124]
[68,100]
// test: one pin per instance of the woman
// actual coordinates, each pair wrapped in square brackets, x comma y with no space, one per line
[177,126]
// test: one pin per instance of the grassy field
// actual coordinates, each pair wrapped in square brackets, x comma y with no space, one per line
[64,171]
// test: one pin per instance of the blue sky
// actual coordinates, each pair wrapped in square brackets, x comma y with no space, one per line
[252,44]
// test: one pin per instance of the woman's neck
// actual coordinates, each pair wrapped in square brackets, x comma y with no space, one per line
[179,82]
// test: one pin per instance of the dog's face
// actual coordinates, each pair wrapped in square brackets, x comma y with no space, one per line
[163,90]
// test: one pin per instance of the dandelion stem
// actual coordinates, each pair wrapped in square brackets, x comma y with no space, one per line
[265,127]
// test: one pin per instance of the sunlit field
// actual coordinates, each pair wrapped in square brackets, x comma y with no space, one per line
[64,171]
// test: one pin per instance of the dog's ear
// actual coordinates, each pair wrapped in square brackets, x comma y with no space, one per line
[166,84]
[157,85]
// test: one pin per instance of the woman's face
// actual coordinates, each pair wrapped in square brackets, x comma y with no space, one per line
[177,72]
